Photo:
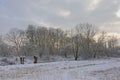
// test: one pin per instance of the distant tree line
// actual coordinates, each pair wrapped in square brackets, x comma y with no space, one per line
[84,41]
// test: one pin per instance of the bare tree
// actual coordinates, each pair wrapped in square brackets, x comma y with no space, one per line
[41,39]
[17,39]
[85,36]
[100,47]
[112,45]
[30,33]
[4,49]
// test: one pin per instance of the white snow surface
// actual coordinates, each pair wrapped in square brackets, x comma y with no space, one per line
[103,69]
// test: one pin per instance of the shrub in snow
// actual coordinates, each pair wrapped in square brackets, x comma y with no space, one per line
[17,59]
[22,59]
[35,59]
[5,61]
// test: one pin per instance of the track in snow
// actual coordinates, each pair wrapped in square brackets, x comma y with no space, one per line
[68,70]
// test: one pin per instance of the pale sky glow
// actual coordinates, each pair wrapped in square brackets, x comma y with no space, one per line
[104,14]
[64,13]
[118,13]
[93,4]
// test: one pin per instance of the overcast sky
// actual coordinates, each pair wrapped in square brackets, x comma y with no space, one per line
[105,14]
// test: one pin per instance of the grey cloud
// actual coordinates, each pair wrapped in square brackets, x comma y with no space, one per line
[17,13]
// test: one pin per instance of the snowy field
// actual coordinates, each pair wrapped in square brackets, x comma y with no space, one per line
[107,69]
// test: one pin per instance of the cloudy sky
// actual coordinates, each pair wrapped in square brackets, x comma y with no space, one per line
[105,14]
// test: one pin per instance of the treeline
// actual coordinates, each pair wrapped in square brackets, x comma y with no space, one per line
[84,41]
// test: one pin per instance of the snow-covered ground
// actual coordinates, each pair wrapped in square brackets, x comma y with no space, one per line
[104,69]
